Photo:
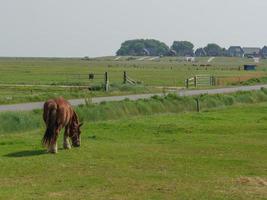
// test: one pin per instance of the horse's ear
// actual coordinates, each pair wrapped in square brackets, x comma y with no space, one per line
[81,124]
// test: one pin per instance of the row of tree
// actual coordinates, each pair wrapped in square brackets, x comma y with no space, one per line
[143,47]
[150,47]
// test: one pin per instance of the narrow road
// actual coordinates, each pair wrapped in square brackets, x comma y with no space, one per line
[211,59]
[118,58]
[154,58]
[141,59]
[96,100]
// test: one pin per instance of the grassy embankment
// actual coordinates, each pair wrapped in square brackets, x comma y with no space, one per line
[26,121]
[216,154]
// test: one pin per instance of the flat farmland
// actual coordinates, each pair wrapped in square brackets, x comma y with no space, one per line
[152,74]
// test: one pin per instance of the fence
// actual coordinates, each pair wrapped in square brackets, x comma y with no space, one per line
[200,81]
[127,79]
[104,77]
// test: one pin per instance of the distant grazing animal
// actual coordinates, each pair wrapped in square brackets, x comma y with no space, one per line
[59,114]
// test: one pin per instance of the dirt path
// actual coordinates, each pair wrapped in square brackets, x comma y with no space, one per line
[96,100]
[211,59]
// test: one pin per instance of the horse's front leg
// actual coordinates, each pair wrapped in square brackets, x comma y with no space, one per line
[53,146]
[66,142]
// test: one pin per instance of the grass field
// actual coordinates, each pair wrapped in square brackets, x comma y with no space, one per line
[167,71]
[217,154]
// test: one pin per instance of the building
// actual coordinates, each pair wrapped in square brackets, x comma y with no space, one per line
[264,52]
[146,52]
[172,52]
[200,52]
[235,51]
[251,52]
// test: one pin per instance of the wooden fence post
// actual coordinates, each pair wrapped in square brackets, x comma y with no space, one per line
[210,81]
[198,104]
[195,81]
[124,77]
[106,82]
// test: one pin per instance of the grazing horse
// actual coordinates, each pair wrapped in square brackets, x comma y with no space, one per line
[59,114]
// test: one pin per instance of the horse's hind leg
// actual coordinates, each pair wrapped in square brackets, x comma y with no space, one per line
[66,142]
[53,147]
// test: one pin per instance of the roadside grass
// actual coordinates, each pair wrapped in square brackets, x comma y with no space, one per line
[25,94]
[13,122]
[216,154]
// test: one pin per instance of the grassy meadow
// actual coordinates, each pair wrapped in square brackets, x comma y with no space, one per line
[215,154]
[152,74]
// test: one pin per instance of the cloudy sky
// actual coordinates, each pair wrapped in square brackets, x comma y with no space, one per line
[70,28]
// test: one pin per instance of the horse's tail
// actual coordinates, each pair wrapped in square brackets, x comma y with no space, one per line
[50,114]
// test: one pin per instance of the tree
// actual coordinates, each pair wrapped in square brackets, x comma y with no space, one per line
[183,48]
[141,47]
[213,50]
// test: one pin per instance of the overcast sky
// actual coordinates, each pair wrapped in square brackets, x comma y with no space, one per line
[97,27]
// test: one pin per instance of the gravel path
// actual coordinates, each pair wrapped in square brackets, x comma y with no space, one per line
[96,100]
[117,58]
[141,59]
[211,59]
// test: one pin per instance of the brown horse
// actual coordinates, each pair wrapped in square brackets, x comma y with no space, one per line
[59,114]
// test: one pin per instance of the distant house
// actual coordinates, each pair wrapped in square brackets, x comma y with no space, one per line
[251,52]
[172,53]
[200,52]
[235,51]
[264,52]
[146,52]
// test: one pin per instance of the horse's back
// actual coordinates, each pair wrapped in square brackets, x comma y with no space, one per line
[64,111]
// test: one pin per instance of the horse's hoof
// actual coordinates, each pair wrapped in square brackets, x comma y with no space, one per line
[67,147]
[52,151]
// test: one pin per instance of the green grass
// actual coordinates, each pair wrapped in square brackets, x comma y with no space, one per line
[218,154]
[255,81]
[169,71]
[26,121]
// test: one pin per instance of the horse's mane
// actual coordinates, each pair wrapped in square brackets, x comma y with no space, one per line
[74,120]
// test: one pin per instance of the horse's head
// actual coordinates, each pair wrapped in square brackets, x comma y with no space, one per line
[75,134]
